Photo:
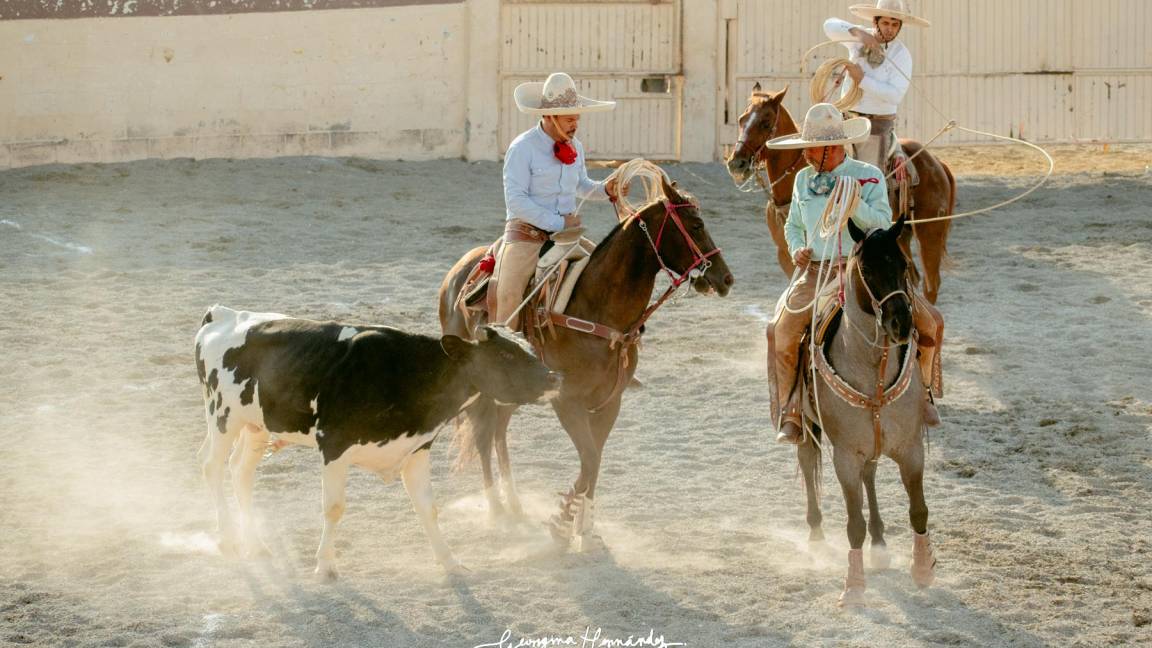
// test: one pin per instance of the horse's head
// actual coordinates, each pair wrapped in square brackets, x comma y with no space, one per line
[678,236]
[881,278]
[759,123]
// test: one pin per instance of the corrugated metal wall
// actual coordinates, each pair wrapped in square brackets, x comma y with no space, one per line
[609,48]
[1049,70]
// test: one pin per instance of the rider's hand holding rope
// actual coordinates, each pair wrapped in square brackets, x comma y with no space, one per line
[842,203]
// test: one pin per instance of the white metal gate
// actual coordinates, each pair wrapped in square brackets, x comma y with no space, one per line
[624,50]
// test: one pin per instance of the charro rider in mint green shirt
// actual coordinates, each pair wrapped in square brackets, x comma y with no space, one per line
[823,138]
[809,197]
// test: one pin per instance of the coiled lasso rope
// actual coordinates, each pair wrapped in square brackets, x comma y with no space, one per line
[948,126]
[834,71]
[651,179]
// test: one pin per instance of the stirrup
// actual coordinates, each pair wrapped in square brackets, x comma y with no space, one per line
[928,407]
[793,435]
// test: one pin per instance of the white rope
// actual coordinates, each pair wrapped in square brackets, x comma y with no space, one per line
[651,178]
[821,93]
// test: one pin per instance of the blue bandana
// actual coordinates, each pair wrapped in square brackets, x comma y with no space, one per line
[821,184]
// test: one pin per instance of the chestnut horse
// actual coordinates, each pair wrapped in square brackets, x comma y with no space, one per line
[766,118]
[613,291]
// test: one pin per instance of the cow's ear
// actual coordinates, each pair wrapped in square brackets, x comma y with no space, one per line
[455,347]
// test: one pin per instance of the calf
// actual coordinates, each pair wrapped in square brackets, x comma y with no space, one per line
[371,396]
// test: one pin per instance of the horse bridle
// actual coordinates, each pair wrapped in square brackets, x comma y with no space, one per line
[877,307]
[759,166]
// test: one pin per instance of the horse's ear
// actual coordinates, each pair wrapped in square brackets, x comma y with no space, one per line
[780,95]
[756,88]
[897,227]
[669,189]
[856,233]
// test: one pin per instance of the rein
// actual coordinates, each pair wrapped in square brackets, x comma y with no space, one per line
[624,341]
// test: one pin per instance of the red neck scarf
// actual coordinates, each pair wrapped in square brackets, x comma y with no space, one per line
[565,152]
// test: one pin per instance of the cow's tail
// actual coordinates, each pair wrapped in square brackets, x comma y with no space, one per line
[474,431]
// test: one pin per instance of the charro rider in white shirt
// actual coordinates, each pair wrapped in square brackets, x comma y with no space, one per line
[882,68]
[544,179]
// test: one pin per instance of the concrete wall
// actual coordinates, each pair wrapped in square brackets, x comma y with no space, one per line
[382,82]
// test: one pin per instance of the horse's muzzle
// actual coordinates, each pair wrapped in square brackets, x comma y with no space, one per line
[739,168]
[717,280]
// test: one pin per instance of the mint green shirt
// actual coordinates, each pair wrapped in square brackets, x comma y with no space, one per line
[802,228]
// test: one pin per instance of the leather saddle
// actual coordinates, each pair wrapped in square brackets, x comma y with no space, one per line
[562,259]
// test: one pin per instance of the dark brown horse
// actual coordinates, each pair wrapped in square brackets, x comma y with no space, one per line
[613,291]
[766,118]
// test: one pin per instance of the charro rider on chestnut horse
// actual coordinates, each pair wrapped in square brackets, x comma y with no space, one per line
[544,176]
[820,255]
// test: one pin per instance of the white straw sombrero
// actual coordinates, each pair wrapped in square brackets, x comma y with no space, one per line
[825,126]
[556,96]
[897,9]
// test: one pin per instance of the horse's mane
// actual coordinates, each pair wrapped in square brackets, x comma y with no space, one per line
[625,223]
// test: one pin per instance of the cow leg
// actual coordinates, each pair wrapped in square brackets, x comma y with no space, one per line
[213,455]
[335,478]
[418,483]
[878,550]
[507,482]
[247,455]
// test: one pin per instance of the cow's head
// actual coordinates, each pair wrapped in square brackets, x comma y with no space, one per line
[502,368]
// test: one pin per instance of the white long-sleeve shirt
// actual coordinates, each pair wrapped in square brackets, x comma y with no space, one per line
[884,86]
[538,188]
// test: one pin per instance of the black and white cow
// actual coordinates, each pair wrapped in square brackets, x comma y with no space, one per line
[371,396]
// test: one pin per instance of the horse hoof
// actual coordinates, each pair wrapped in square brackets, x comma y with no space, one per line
[923,560]
[852,598]
[815,535]
[878,558]
[327,574]
[588,543]
[924,575]
[560,530]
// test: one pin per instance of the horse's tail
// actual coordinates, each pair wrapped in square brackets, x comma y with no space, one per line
[945,260]
[474,431]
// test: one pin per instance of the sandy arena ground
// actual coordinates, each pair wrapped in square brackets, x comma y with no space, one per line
[1038,483]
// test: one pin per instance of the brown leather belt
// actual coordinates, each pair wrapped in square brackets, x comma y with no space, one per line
[518,231]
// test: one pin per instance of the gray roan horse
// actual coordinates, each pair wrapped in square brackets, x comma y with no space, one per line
[868,392]
[612,294]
